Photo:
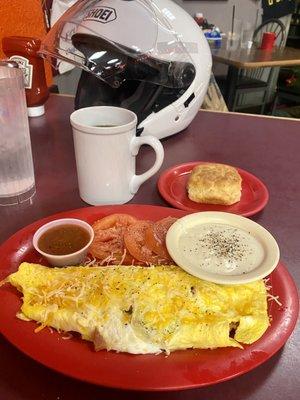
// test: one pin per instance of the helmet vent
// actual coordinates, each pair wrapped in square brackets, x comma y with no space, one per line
[188,100]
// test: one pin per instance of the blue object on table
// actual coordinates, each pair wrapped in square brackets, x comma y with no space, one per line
[214,36]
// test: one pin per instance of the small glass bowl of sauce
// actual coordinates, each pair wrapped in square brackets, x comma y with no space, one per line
[64,241]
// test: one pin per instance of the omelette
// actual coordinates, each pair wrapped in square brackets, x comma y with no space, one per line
[142,310]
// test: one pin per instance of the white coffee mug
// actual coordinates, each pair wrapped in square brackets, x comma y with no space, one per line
[105,149]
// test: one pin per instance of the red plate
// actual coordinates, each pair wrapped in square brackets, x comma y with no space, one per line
[172,187]
[181,370]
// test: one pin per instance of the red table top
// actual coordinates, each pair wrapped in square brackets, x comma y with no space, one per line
[266,147]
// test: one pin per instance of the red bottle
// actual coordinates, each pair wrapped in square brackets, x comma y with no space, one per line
[24,50]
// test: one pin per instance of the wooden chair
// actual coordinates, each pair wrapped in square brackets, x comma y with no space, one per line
[213,99]
[259,79]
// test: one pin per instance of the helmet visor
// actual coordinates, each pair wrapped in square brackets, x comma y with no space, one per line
[118,40]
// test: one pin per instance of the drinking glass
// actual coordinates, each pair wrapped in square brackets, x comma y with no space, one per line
[247,35]
[17,182]
[234,36]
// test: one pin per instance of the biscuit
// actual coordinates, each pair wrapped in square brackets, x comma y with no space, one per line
[214,184]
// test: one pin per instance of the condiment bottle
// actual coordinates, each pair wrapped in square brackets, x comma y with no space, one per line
[24,50]
[199,18]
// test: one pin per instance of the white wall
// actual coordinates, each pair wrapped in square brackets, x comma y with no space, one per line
[220,12]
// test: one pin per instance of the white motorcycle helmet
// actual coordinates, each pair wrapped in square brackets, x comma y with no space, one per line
[148,56]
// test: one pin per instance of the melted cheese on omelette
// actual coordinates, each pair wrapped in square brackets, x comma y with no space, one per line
[142,309]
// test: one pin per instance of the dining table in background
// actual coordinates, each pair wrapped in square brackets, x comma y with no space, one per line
[268,147]
[249,59]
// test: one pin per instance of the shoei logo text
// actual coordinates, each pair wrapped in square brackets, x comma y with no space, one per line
[102,14]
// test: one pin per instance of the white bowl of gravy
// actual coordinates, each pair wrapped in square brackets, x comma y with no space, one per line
[222,247]
[64,241]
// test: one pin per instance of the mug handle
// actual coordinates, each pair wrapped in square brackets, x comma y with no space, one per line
[135,145]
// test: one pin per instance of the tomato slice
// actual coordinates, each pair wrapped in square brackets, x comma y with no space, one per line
[135,241]
[108,244]
[155,237]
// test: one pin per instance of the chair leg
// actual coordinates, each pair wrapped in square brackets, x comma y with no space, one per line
[231,81]
[266,97]
[235,101]
[262,109]
[274,105]
[268,89]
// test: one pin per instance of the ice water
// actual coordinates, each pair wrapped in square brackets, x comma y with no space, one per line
[16,167]
[233,41]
